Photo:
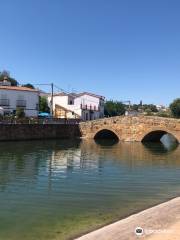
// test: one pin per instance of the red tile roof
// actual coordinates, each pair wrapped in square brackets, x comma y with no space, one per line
[90,94]
[75,95]
[16,88]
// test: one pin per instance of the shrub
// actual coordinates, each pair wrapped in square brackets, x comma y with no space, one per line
[20,113]
[175,108]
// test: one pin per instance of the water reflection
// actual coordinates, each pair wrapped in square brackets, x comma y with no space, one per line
[71,185]
[160,148]
[28,160]
[167,144]
[106,142]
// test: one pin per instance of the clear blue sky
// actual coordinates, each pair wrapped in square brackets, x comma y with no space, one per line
[123,50]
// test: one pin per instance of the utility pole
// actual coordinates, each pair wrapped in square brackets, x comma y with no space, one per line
[129,102]
[129,105]
[52,96]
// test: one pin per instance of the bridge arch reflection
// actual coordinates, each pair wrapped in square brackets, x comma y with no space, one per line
[159,136]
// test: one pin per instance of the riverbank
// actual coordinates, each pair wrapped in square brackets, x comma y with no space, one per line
[161,222]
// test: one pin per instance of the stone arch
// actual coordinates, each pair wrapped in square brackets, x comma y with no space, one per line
[106,133]
[156,135]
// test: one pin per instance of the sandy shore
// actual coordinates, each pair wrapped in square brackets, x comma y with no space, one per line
[172,233]
[161,222]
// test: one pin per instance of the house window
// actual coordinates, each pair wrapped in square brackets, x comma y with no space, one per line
[101,103]
[4,101]
[37,106]
[20,97]
[3,96]
[71,101]
[20,102]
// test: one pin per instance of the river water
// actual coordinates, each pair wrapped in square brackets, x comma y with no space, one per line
[60,189]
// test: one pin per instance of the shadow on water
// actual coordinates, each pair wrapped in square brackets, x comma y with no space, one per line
[25,147]
[166,144]
[106,142]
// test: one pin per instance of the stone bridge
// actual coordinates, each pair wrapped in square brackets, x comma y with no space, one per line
[131,128]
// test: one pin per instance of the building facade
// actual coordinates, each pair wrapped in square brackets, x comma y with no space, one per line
[85,106]
[13,97]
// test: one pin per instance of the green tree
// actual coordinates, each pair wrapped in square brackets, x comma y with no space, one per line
[151,107]
[28,85]
[20,113]
[175,108]
[5,73]
[148,112]
[43,104]
[135,107]
[114,108]
[164,114]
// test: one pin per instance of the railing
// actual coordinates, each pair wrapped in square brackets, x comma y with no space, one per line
[21,103]
[4,102]
[89,107]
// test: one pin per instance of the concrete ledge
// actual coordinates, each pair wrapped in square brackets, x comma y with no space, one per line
[162,219]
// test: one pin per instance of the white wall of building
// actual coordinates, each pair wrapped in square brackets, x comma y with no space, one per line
[96,104]
[88,107]
[30,97]
[63,101]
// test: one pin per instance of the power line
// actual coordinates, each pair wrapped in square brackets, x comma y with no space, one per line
[64,91]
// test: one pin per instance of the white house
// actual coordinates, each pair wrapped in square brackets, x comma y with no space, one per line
[13,97]
[85,106]
[161,108]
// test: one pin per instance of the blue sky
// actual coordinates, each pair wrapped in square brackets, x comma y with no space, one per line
[120,49]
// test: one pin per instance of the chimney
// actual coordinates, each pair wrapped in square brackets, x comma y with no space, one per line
[6,81]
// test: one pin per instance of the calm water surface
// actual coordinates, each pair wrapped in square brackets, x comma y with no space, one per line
[60,189]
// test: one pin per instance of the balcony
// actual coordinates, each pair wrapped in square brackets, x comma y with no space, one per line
[89,107]
[21,103]
[4,102]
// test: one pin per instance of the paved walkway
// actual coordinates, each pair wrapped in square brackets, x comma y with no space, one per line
[161,222]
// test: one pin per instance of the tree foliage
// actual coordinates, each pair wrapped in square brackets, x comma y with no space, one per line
[28,85]
[135,107]
[43,104]
[149,107]
[175,108]
[145,107]
[5,73]
[114,108]
[166,114]
[20,113]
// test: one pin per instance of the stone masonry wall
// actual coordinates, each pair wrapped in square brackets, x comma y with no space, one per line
[129,128]
[126,128]
[38,131]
